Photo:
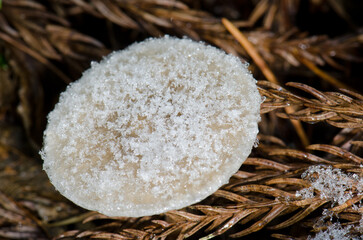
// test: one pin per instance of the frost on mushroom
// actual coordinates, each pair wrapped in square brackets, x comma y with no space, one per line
[158,126]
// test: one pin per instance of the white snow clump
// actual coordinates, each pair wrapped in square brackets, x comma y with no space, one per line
[335,232]
[332,183]
[155,127]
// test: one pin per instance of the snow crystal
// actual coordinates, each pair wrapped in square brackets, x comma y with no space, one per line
[332,184]
[158,126]
[334,232]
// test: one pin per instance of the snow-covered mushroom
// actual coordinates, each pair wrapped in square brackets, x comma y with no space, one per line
[158,126]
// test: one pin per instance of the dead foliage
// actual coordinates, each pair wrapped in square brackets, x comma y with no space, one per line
[342,109]
[44,45]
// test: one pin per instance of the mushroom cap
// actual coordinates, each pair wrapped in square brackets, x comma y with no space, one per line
[158,126]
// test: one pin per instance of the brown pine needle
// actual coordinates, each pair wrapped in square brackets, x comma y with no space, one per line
[261,197]
[323,75]
[35,55]
[299,129]
[251,50]
[71,220]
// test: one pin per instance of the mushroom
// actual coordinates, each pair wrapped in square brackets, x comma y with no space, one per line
[157,126]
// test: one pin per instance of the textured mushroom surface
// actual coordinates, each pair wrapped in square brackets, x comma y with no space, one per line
[158,126]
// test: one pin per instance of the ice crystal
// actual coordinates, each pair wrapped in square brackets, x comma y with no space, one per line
[332,183]
[334,232]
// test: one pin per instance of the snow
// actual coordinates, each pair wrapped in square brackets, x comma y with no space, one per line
[334,232]
[336,186]
[332,183]
[155,127]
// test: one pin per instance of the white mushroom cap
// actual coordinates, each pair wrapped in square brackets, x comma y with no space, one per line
[158,126]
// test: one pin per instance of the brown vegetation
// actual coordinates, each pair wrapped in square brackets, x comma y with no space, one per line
[312,113]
